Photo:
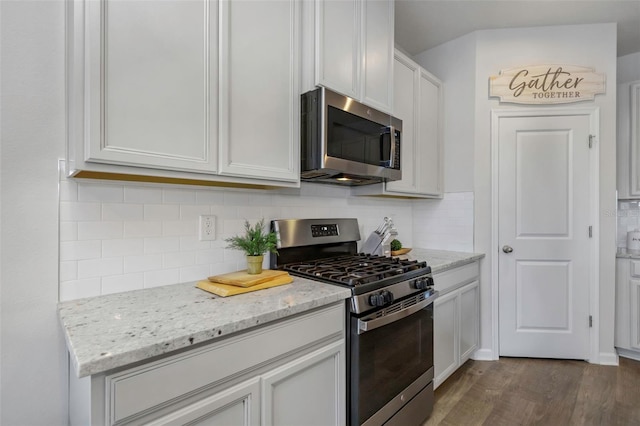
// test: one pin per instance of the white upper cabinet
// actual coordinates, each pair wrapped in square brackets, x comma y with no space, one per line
[150,94]
[201,90]
[628,135]
[349,45]
[418,103]
[260,89]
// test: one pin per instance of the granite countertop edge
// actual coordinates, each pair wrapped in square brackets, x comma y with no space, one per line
[112,331]
[443,260]
[622,253]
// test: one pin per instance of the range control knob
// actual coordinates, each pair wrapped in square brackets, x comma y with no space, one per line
[423,283]
[383,298]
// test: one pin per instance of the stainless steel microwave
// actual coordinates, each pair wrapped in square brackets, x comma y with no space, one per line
[346,142]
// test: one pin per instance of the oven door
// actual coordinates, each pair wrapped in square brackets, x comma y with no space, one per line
[391,359]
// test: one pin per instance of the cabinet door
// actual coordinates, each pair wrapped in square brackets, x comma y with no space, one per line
[150,97]
[445,336]
[469,317]
[307,391]
[238,405]
[404,107]
[634,140]
[430,170]
[634,310]
[259,108]
[338,46]
[378,47]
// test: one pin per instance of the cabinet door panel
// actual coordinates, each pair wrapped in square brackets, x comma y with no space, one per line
[404,104]
[469,315]
[307,391]
[634,118]
[430,142]
[259,112]
[152,72]
[239,405]
[338,46]
[634,309]
[378,54]
[445,336]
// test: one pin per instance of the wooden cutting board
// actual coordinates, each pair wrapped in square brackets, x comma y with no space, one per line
[225,290]
[243,279]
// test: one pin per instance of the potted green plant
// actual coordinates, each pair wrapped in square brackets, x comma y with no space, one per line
[255,243]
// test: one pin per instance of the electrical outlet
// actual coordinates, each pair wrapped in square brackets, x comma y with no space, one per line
[207,227]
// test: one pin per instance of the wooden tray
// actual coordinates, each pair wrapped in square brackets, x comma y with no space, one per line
[225,290]
[400,252]
[243,279]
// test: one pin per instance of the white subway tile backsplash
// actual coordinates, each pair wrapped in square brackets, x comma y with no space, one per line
[78,250]
[194,273]
[161,277]
[147,262]
[179,227]
[210,197]
[161,244]
[100,192]
[161,212]
[122,212]
[142,194]
[76,211]
[126,247]
[99,267]
[120,283]
[68,231]
[193,212]
[178,196]
[118,237]
[178,259]
[99,230]
[69,270]
[139,229]
[78,289]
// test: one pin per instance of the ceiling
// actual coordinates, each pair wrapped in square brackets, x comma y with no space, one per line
[423,24]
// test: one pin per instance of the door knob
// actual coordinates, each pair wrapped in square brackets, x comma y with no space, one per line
[507,249]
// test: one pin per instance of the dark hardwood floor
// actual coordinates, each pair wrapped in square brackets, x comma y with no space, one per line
[523,391]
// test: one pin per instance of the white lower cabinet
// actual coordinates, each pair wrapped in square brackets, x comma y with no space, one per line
[456,319]
[627,338]
[289,372]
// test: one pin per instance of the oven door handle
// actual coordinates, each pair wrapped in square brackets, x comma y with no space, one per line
[364,326]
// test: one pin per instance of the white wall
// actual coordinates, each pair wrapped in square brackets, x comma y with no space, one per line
[588,45]
[33,361]
[454,64]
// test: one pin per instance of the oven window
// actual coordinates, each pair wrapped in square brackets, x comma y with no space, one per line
[357,139]
[386,360]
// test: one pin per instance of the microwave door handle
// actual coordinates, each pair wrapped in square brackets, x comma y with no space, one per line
[392,154]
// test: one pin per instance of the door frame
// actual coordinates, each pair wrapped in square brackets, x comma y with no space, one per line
[594,191]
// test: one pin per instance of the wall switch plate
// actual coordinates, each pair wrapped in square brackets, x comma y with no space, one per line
[207,228]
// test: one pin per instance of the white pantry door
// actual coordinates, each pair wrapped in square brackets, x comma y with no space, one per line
[544,237]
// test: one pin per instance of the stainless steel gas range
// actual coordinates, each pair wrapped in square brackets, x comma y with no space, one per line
[389,318]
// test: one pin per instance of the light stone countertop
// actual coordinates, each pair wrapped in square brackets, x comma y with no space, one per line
[112,331]
[442,260]
[622,253]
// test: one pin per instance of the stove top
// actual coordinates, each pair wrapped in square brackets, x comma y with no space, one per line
[360,270]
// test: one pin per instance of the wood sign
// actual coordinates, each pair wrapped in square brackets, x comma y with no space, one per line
[546,84]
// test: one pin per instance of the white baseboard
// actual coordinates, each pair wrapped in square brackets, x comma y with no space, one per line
[608,358]
[484,355]
[635,355]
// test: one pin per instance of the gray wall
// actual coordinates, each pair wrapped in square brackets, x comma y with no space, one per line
[33,370]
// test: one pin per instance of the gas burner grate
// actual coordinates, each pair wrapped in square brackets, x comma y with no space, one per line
[358,269]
